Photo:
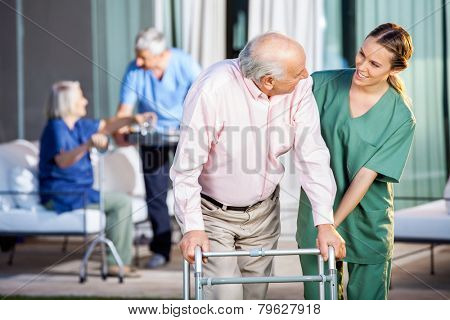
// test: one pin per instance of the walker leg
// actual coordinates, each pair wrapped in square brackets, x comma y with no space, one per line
[186,280]
[87,255]
[116,257]
[65,243]
[104,266]
[332,273]
[322,273]
[198,274]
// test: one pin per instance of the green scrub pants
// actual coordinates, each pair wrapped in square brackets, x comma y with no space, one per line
[366,281]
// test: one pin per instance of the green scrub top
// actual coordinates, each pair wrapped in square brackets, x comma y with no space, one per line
[379,140]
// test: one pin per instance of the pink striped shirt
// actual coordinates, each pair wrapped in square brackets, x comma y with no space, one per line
[232,137]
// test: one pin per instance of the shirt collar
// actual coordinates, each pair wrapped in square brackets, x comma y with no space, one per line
[253,89]
[251,86]
[256,92]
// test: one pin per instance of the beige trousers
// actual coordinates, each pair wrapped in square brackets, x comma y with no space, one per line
[228,230]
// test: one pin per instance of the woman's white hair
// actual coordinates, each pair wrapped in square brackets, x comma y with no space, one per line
[255,65]
[62,99]
[152,40]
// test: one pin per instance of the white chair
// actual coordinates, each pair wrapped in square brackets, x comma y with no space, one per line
[129,179]
[123,174]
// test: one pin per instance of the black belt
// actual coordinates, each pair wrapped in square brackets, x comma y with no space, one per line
[224,207]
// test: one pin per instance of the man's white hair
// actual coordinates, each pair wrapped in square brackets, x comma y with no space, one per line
[255,65]
[62,99]
[152,40]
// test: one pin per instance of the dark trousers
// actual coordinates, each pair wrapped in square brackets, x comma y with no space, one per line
[156,163]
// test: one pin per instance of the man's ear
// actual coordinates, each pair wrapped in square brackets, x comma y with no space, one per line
[267,82]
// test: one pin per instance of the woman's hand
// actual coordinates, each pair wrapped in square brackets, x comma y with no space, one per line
[99,141]
[150,117]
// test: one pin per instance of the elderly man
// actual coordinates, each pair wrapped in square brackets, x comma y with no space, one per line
[239,117]
[158,81]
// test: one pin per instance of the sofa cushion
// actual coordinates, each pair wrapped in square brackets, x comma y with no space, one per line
[24,180]
[6,200]
[12,154]
[22,221]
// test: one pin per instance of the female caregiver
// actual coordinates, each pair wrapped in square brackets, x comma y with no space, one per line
[368,127]
[65,165]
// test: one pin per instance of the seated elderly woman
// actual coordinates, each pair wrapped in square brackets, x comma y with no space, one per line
[65,165]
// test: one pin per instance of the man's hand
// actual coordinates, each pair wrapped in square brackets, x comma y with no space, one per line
[328,236]
[123,110]
[119,137]
[150,117]
[99,141]
[192,239]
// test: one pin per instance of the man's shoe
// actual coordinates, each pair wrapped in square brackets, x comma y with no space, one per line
[157,260]
[128,272]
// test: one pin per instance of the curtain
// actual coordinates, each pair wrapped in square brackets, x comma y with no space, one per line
[425,173]
[332,36]
[302,20]
[305,22]
[447,15]
[204,29]
[115,24]
[196,26]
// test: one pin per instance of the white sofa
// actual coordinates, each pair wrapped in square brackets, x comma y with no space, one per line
[21,214]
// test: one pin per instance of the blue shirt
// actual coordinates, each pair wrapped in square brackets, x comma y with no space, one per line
[164,97]
[69,188]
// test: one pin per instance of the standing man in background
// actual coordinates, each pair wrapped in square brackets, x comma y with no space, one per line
[158,81]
